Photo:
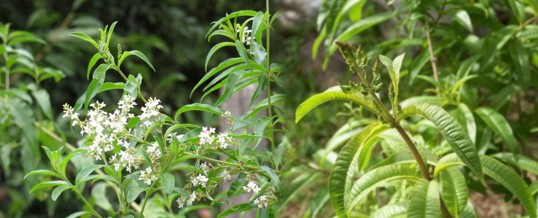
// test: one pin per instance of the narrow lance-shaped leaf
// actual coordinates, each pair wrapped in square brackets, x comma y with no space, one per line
[333,95]
[371,180]
[511,180]
[452,132]
[499,125]
[454,190]
[339,174]
[425,202]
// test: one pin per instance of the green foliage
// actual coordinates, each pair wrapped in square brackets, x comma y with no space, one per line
[447,182]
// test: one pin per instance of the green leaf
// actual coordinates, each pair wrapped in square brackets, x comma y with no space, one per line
[78,214]
[339,180]
[135,53]
[42,172]
[358,27]
[451,131]
[235,209]
[469,121]
[425,202]
[380,176]
[58,191]
[199,107]
[454,190]
[48,184]
[223,65]
[99,195]
[95,85]
[214,49]
[132,85]
[391,210]
[43,100]
[133,193]
[462,18]
[18,37]
[520,161]
[168,182]
[332,95]
[499,125]
[511,180]
[83,174]
[96,57]
[86,38]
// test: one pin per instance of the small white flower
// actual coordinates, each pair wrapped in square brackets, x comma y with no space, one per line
[204,167]
[200,180]
[223,139]
[148,176]
[252,187]
[186,202]
[206,136]
[262,201]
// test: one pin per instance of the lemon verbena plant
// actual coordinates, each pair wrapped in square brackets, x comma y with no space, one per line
[412,173]
[134,160]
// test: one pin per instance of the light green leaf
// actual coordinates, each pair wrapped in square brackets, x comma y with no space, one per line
[425,202]
[58,191]
[83,174]
[382,175]
[99,195]
[511,180]
[78,214]
[43,100]
[339,180]
[96,57]
[214,49]
[135,53]
[469,120]
[223,65]
[48,184]
[462,17]
[452,132]
[42,172]
[391,211]
[168,182]
[333,95]
[86,38]
[520,161]
[499,125]
[199,107]
[454,190]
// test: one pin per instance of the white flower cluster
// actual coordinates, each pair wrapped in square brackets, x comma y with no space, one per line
[154,152]
[107,131]
[128,160]
[246,37]
[150,112]
[148,176]
[209,138]
[252,187]
[199,180]
[181,201]
[262,201]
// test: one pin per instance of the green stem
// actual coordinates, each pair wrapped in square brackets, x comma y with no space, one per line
[268,74]
[433,59]
[74,188]
[389,118]
[6,68]
[148,193]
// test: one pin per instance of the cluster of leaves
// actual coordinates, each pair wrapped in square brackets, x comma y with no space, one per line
[25,114]
[485,118]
